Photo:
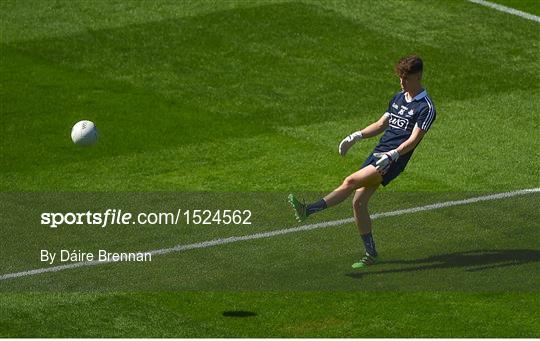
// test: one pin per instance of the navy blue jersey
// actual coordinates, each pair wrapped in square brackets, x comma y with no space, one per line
[403,117]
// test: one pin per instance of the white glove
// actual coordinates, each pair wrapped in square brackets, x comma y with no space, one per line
[348,142]
[385,160]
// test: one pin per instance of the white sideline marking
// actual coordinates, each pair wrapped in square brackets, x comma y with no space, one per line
[505,9]
[234,239]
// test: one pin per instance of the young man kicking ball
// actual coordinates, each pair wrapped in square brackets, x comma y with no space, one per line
[409,116]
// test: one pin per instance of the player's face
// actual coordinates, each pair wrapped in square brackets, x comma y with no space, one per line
[409,82]
[403,83]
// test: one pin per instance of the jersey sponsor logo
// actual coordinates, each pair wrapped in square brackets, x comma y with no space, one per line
[398,122]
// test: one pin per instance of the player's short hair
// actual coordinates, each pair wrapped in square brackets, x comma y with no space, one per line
[409,65]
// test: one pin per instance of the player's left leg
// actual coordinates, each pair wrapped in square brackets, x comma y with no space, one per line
[365,177]
[363,222]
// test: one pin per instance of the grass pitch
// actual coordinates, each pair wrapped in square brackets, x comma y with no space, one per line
[253,97]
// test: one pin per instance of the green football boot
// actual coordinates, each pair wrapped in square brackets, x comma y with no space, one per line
[366,261]
[298,207]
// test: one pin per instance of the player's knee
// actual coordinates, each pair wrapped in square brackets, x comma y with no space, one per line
[359,203]
[350,182]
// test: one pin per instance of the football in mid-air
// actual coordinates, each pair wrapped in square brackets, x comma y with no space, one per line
[84,133]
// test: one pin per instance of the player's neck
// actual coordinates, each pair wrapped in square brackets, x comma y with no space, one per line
[411,93]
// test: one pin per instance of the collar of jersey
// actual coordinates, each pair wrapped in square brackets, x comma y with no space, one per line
[417,97]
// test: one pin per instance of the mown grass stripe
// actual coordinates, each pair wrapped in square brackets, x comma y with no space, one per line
[273,233]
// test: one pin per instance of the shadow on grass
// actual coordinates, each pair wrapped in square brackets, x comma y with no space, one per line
[477,260]
[238,313]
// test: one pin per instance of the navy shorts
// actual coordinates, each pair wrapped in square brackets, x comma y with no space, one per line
[395,168]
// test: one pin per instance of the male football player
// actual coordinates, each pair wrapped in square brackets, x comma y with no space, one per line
[409,116]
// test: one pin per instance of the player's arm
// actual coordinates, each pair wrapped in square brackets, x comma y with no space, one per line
[385,159]
[371,130]
[376,128]
[412,141]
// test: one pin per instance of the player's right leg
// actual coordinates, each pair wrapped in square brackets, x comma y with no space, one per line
[365,177]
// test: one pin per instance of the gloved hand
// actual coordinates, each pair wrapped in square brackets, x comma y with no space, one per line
[348,142]
[385,160]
